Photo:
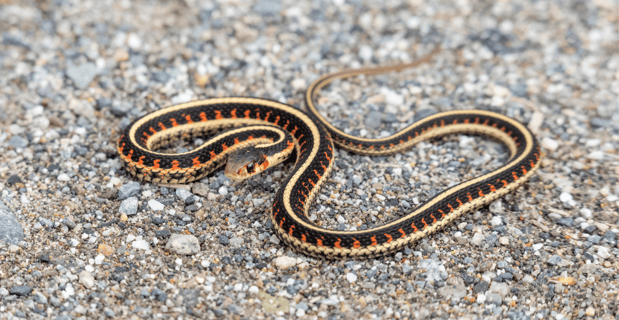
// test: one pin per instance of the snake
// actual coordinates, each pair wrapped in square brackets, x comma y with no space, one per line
[254,134]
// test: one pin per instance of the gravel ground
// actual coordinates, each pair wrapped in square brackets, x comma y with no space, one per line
[82,240]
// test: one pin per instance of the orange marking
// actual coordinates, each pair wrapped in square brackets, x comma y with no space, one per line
[312,182]
[276,120]
[433,218]
[416,134]
[218,115]
[294,130]
[391,145]
[328,158]
[188,119]
[466,121]
[515,176]
[469,195]
[401,141]
[162,126]
[196,162]
[319,242]
[504,182]
[337,243]
[492,188]
[257,113]
[146,134]
[323,166]
[175,165]
[502,128]
[371,147]
[318,175]
[303,238]
[120,149]
[481,194]
[402,232]
[246,114]
[291,230]
[250,138]
[410,138]
[236,141]
[459,202]
[267,117]
[389,237]
[174,124]
[356,244]
[130,154]
[536,156]
[442,213]
[524,170]
[286,125]
[233,113]
[299,138]
[476,120]
[450,207]
[224,146]
[373,240]
[414,227]
[442,123]
[203,117]
[213,154]
[382,147]
[455,121]
[509,133]
[152,130]
[425,225]
[486,122]
[532,164]
[156,164]
[141,160]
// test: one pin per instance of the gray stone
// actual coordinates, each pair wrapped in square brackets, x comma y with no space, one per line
[11,230]
[129,190]
[183,194]
[82,75]
[566,221]
[373,120]
[268,7]
[599,123]
[595,239]
[224,240]
[18,142]
[183,244]
[435,270]
[109,313]
[40,298]
[129,206]
[481,287]
[21,290]
[120,109]
[610,236]
[69,223]
[554,260]
[159,295]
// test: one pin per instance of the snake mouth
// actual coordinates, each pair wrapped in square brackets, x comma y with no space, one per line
[243,164]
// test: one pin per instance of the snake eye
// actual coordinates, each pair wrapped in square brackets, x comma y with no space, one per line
[250,167]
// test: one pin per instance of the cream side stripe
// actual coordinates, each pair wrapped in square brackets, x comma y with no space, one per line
[434,132]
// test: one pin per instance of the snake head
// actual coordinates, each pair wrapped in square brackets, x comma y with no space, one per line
[245,163]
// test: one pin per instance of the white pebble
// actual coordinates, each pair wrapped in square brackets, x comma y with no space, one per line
[185,244]
[550,144]
[351,277]
[223,191]
[155,205]
[586,213]
[285,262]
[141,244]
[99,259]
[87,279]
[496,221]
[63,177]
[565,197]
[178,261]
[477,239]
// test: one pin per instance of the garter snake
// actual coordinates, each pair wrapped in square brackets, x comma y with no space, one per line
[263,133]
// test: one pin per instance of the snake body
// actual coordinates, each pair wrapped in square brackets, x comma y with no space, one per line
[260,122]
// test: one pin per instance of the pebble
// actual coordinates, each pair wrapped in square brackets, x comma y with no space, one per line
[183,194]
[183,244]
[105,249]
[82,75]
[21,290]
[477,239]
[285,262]
[129,206]
[200,189]
[155,205]
[554,260]
[87,279]
[18,142]
[63,177]
[496,221]
[223,191]
[351,277]
[141,244]
[268,7]
[129,190]
[550,144]
[10,228]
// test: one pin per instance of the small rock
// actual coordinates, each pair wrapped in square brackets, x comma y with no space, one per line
[14,179]
[373,120]
[224,240]
[155,205]
[40,298]
[285,262]
[82,75]
[477,239]
[63,177]
[129,206]
[481,287]
[105,249]
[69,223]
[223,191]
[141,244]
[18,142]
[496,221]
[550,144]
[554,260]
[183,194]
[21,290]
[499,288]
[496,207]
[435,270]
[268,7]
[129,190]
[183,244]
[504,241]
[200,189]
[351,277]
[87,279]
